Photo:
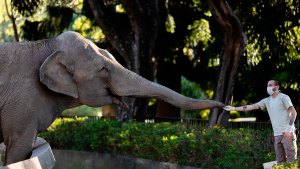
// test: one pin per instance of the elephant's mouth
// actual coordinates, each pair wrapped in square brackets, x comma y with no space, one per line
[101,98]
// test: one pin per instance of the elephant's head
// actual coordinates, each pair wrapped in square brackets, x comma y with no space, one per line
[82,70]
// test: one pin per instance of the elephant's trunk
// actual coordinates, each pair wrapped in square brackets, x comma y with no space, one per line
[131,84]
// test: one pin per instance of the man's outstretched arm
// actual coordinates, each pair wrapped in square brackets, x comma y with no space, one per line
[241,108]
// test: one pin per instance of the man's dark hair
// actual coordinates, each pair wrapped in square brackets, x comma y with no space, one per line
[276,82]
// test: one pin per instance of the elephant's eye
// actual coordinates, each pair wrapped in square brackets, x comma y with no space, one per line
[104,72]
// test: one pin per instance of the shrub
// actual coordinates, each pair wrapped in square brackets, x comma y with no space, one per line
[173,142]
[82,111]
[293,165]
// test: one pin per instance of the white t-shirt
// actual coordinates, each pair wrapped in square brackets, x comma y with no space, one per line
[278,111]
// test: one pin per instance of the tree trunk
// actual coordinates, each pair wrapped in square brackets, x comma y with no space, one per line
[13,21]
[134,40]
[234,42]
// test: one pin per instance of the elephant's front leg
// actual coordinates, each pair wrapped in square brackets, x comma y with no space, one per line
[19,143]
[118,101]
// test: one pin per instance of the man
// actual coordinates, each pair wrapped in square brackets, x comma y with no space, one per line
[282,114]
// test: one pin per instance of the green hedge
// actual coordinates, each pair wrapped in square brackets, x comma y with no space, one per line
[172,142]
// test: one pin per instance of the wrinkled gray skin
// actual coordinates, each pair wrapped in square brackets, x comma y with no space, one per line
[38,80]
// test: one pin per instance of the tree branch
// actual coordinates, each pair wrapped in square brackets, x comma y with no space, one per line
[13,20]
[105,22]
[145,20]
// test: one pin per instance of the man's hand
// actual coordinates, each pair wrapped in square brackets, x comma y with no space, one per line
[229,108]
[288,131]
[288,135]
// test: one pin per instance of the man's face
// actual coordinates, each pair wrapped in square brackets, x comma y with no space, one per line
[271,83]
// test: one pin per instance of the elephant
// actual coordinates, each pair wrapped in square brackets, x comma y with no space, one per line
[40,79]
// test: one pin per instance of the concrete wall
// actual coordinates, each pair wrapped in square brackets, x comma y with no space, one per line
[68,159]
[41,158]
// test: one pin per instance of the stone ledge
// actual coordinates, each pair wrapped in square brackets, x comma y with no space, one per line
[41,158]
[95,160]
[269,165]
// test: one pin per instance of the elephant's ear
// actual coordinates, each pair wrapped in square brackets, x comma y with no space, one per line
[54,74]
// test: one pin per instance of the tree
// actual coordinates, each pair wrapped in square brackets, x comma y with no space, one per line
[133,33]
[234,42]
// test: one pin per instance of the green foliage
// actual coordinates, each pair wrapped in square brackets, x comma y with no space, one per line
[45,19]
[214,148]
[293,165]
[58,19]
[6,29]
[82,111]
[170,24]
[200,33]
[26,7]
[192,89]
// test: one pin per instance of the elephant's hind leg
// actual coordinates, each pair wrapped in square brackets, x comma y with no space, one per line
[1,135]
